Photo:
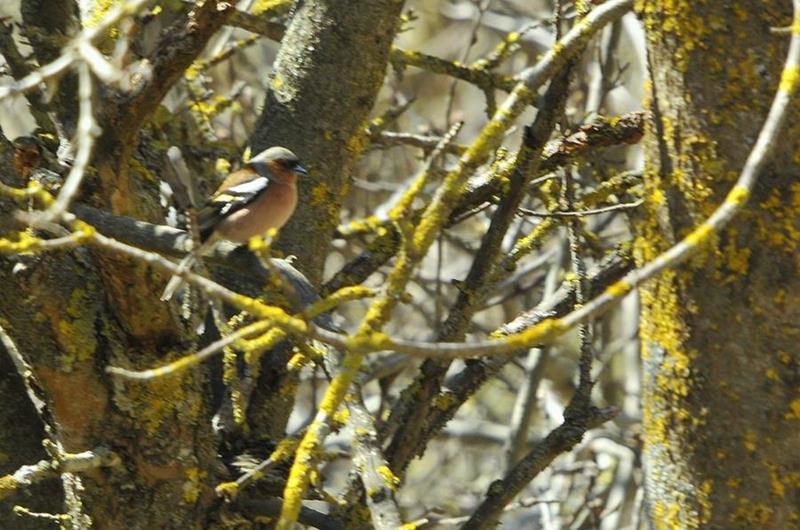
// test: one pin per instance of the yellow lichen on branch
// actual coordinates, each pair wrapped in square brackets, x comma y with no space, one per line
[345,294]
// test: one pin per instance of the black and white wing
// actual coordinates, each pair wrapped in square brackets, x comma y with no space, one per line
[229,199]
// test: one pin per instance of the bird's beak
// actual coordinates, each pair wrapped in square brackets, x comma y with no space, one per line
[300,170]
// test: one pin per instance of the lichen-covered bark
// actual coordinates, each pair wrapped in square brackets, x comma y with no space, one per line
[720,335]
[162,431]
[327,74]
[329,69]
[74,313]
[21,429]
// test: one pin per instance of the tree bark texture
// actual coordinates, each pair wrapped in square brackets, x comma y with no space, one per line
[73,313]
[719,335]
[327,74]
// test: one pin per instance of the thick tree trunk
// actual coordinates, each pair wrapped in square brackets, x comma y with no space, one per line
[327,74]
[73,313]
[720,335]
[329,69]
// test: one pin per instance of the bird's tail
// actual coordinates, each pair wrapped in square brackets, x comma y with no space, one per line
[176,281]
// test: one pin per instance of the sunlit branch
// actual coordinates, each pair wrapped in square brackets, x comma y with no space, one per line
[26,476]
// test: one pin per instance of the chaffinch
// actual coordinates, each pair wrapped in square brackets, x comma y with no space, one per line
[249,202]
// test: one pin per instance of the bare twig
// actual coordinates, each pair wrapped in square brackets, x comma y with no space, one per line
[560,440]
[75,50]
[392,138]
[189,360]
[25,476]
[584,213]
[582,398]
[283,452]
[524,405]
[86,133]
[378,479]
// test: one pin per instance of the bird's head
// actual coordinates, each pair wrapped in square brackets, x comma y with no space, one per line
[278,162]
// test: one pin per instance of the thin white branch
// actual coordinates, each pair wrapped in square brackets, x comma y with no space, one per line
[85,135]
[65,463]
[72,51]
[188,360]
[32,80]
[101,67]
[583,213]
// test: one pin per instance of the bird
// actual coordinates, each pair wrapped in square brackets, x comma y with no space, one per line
[260,196]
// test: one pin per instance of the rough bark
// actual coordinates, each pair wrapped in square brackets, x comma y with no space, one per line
[74,313]
[321,95]
[68,331]
[719,336]
[318,105]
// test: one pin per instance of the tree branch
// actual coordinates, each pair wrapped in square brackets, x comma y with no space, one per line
[51,469]
[559,441]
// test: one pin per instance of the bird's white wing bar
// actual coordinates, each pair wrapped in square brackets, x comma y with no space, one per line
[249,188]
[241,194]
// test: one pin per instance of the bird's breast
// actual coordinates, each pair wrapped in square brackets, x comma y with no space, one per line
[269,210]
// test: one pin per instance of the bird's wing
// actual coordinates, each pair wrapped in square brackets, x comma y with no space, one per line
[238,190]
[239,195]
